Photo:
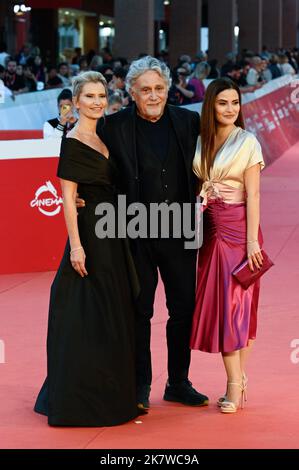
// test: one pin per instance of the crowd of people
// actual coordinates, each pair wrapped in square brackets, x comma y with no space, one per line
[28,71]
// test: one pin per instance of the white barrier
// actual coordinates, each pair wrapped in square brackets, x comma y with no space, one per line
[30,148]
[28,110]
[268,88]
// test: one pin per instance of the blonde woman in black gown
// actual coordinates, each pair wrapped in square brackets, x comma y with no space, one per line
[90,344]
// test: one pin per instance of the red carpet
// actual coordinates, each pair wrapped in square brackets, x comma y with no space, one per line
[270,419]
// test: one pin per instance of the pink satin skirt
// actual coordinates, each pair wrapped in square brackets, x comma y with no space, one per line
[225,315]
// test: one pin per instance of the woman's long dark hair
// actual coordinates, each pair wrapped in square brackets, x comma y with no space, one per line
[208,121]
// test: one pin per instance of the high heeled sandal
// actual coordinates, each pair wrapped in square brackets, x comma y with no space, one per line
[230,406]
[244,383]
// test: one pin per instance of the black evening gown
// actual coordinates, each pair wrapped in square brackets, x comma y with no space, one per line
[90,343]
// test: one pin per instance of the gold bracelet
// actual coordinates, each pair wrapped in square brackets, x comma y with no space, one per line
[252,241]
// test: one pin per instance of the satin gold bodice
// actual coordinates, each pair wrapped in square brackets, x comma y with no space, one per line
[240,151]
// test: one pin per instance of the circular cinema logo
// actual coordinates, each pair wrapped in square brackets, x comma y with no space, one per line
[47,200]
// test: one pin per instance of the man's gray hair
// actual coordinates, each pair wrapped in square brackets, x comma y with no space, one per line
[140,66]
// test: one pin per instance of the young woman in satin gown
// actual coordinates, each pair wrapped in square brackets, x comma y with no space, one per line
[90,343]
[228,162]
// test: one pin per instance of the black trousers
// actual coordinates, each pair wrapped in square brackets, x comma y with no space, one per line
[177,267]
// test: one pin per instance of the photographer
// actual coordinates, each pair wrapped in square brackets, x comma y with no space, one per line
[66,120]
[180,92]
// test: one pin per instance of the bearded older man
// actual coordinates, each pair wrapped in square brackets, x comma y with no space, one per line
[153,145]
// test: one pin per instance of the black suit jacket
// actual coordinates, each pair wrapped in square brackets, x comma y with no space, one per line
[118,131]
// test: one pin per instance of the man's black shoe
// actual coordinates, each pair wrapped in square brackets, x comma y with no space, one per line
[143,392]
[183,392]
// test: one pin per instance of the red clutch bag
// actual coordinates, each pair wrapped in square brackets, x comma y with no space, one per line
[246,277]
